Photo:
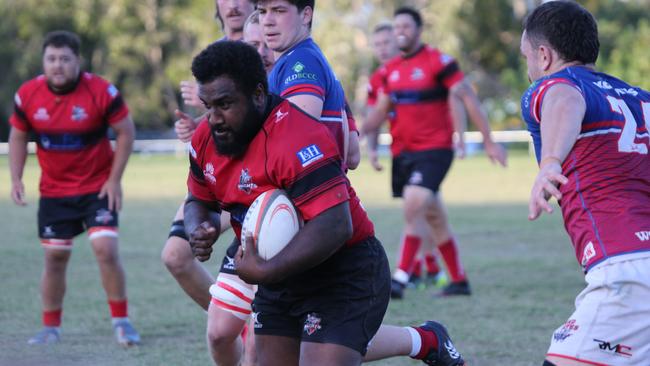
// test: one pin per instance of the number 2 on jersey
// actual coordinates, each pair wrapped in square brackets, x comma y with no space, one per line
[628,133]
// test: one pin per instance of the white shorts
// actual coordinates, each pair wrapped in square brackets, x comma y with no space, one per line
[611,323]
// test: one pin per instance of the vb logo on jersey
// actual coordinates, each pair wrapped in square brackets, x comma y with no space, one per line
[309,155]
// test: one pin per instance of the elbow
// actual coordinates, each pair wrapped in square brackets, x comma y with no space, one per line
[354,159]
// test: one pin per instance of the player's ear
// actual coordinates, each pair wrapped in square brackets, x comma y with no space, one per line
[546,56]
[307,15]
[259,96]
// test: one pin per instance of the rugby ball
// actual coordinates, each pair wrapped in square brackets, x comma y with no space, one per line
[272,220]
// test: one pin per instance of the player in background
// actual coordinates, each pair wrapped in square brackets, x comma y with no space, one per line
[177,255]
[303,75]
[384,47]
[431,99]
[590,132]
[70,112]
[299,312]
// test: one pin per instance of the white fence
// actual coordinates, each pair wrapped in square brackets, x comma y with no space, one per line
[175,146]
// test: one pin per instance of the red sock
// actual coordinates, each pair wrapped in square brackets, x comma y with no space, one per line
[432,264]
[52,318]
[449,252]
[410,247]
[428,341]
[118,308]
[417,267]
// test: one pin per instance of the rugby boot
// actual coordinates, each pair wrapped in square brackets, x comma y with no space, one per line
[444,353]
[455,288]
[125,334]
[396,289]
[47,335]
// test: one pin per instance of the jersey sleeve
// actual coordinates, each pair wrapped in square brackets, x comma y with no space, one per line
[309,169]
[538,94]
[374,88]
[111,101]
[304,74]
[196,181]
[450,72]
[18,118]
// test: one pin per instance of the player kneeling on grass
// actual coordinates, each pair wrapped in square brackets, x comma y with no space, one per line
[70,111]
[323,297]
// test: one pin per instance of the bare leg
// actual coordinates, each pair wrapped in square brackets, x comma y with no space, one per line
[110,267]
[277,351]
[53,281]
[389,341]
[223,335]
[327,354]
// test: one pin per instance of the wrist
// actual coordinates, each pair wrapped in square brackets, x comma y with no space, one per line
[550,160]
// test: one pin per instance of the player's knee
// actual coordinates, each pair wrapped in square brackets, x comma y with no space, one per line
[177,255]
[220,336]
[107,254]
[57,259]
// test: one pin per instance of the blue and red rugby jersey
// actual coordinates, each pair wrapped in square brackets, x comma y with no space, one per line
[606,204]
[303,69]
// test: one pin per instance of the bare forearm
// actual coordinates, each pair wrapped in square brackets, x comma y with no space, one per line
[458,115]
[123,149]
[314,243]
[17,154]
[478,116]
[196,212]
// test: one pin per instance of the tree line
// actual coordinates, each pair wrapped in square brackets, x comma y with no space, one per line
[145,47]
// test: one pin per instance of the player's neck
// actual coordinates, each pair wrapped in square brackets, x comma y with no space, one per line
[413,50]
[234,34]
[299,38]
[67,88]
[565,64]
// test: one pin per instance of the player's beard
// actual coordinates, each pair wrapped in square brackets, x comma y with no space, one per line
[242,137]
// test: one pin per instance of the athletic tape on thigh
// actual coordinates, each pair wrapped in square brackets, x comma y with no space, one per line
[234,296]
[101,232]
[65,244]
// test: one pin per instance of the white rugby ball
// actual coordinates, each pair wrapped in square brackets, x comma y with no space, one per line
[272,220]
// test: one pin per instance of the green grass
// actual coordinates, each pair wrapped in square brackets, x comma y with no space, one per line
[523,274]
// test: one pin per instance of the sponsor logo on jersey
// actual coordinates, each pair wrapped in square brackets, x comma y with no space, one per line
[309,155]
[208,172]
[445,59]
[623,91]
[279,115]
[79,114]
[588,253]
[312,324]
[103,216]
[301,75]
[17,100]
[617,349]
[246,184]
[394,76]
[566,331]
[41,115]
[603,84]
[256,320]
[417,74]
[643,235]
[112,91]
[298,67]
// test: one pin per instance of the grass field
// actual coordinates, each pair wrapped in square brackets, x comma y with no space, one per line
[523,274]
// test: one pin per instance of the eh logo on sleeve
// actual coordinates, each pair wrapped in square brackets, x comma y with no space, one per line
[309,155]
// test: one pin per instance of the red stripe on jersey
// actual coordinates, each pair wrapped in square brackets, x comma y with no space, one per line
[604,124]
[303,88]
[538,95]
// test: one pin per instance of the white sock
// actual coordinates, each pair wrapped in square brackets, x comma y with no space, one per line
[401,276]
[416,341]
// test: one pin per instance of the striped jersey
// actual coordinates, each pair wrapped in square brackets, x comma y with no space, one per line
[606,204]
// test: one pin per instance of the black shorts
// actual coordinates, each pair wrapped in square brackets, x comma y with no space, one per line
[67,217]
[420,168]
[341,301]
[228,263]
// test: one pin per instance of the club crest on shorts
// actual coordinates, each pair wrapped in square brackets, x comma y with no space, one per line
[312,324]
[256,320]
[103,216]
[566,331]
[416,178]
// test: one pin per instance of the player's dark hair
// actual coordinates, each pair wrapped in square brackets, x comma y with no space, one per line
[300,4]
[382,27]
[60,39]
[417,18]
[237,60]
[567,27]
